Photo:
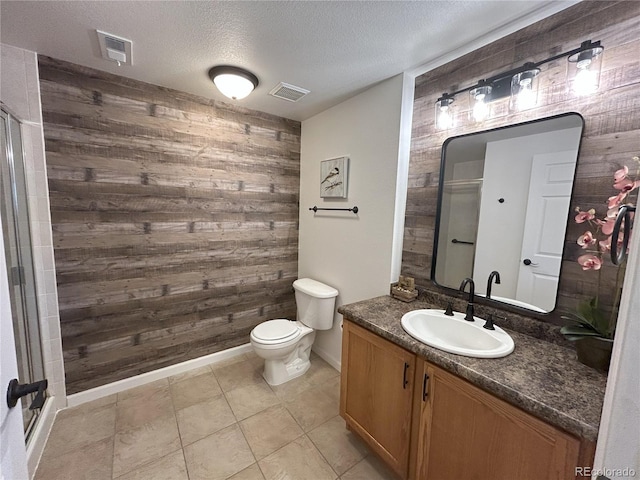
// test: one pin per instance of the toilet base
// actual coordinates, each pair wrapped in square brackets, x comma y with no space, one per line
[274,375]
[280,370]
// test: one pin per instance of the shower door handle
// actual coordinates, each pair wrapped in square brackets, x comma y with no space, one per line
[16,391]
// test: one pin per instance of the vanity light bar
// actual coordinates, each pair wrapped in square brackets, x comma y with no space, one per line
[521,84]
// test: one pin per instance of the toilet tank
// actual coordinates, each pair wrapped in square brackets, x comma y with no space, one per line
[315,302]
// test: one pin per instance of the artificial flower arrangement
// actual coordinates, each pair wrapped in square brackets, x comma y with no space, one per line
[589,320]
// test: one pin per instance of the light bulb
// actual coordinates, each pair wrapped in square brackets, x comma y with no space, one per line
[480,108]
[527,97]
[524,89]
[480,97]
[444,112]
[445,119]
[586,81]
[584,68]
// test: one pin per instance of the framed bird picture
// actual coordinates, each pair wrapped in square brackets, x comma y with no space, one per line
[333,177]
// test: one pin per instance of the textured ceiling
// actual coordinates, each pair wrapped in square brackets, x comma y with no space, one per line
[335,49]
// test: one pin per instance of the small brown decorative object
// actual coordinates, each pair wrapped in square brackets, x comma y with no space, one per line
[404,289]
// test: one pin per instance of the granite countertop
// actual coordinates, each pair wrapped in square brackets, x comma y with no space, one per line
[540,377]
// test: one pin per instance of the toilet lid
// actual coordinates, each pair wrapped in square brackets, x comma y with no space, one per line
[273,330]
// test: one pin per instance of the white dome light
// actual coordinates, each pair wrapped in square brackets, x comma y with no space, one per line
[233,82]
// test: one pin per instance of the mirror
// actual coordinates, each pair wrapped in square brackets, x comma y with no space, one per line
[503,205]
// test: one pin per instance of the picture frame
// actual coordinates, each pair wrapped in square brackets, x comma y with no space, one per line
[334,176]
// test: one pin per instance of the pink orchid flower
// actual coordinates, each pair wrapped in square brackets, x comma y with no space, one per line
[613,212]
[603,235]
[607,225]
[616,200]
[586,240]
[620,174]
[626,185]
[589,262]
[605,245]
[585,216]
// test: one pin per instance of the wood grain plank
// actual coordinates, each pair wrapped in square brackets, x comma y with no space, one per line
[174,221]
[611,136]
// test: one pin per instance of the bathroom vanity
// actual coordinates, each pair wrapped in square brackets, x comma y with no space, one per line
[434,415]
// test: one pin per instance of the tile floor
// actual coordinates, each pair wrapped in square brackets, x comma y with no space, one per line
[217,422]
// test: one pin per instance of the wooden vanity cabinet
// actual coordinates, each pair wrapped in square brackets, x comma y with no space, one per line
[428,424]
[465,432]
[376,394]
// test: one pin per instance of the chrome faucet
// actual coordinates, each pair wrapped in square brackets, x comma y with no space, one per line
[492,276]
[472,292]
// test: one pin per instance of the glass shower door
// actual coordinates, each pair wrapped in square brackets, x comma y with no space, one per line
[16,231]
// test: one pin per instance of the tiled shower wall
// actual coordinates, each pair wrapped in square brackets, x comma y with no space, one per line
[20,93]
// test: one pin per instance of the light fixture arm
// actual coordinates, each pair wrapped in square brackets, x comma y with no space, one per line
[584,46]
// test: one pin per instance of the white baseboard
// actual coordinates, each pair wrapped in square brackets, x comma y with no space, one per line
[330,359]
[40,434]
[144,378]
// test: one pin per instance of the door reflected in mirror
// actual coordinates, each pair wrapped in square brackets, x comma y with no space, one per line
[503,205]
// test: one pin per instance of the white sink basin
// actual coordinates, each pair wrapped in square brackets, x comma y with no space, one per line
[456,335]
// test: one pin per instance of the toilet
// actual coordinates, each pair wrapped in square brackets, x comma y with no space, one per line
[285,345]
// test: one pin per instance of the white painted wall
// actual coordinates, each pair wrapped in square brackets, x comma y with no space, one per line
[354,253]
[20,95]
[619,437]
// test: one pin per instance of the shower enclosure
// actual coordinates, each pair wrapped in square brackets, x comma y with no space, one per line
[16,231]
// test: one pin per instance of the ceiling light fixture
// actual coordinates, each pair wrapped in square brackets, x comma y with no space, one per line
[521,84]
[233,82]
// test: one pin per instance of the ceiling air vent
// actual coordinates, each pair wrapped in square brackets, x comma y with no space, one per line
[288,92]
[114,48]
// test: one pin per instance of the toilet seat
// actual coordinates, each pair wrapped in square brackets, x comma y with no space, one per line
[276,332]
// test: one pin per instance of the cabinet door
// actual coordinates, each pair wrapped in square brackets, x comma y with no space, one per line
[376,392]
[466,433]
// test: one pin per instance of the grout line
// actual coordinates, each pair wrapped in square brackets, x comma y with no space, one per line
[148,461]
[186,467]
[281,402]
[175,416]
[237,422]
[113,443]
[255,460]
[320,451]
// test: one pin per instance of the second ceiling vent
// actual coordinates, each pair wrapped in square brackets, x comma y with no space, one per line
[114,48]
[288,92]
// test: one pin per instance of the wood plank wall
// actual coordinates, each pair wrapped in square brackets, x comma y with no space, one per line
[611,136]
[175,221]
